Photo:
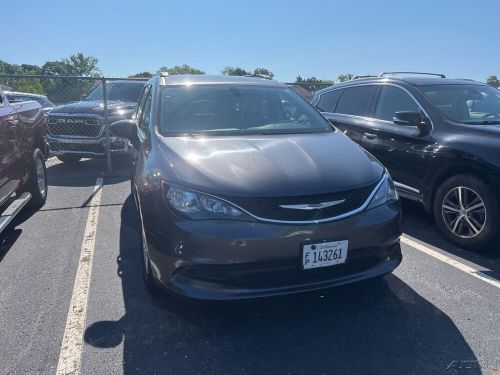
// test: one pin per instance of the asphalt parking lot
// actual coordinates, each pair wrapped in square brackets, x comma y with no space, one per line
[438,313]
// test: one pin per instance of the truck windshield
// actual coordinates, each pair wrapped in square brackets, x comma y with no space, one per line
[124,91]
[234,109]
[469,104]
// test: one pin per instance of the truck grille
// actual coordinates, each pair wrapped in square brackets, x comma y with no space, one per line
[270,208]
[89,127]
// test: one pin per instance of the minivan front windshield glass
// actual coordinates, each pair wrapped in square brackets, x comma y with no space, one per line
[236,109]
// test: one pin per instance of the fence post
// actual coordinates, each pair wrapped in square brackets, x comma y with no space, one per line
[106,122]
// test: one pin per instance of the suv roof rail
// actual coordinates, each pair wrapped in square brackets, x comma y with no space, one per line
[419,73]
[264,76]
[363,76]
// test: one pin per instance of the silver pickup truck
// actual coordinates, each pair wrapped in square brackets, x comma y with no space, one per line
[77,130]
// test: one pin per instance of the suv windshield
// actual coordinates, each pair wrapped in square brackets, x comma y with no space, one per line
[124,91]
[234,109]
[470,104]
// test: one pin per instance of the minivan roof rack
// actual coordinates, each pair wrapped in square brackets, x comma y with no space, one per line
[419,73]
[264,76]
[364,76]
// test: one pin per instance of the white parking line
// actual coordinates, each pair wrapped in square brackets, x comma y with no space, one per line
[452,262]
[71,347]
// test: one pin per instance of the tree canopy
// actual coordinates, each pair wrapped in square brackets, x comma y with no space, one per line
[264,72]
[141,75]
[493,81]
[235,71]
[181,69]
[345,77]
[313,84]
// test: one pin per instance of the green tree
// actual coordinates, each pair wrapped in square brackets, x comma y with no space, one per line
[493,81]
[345,77]
[28,84]
[63,90]
[141,75]
[264,72]
[6,68]
[313,84]
[235,71]
[181,69]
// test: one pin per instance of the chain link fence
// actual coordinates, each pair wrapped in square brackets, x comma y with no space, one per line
[78,112]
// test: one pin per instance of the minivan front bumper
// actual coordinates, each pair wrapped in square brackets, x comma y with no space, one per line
[221,260]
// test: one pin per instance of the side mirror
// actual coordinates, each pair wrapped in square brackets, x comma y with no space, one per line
[416,119]
[125,129]
[407,118]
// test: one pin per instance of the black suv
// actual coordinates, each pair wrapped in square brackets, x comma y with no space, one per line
[439,138]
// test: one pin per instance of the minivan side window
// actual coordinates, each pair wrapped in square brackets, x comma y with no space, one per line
[356,101]
[391,100]
[328,101]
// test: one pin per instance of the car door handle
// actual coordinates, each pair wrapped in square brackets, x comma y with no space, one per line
[370,136]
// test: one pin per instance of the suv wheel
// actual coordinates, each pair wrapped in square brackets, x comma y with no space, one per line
[37,180]
[466,211]
[69,158]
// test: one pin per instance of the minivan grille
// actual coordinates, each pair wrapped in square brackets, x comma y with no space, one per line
[89,127]
[269,208]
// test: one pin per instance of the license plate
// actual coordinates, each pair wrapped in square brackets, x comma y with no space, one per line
[324,254]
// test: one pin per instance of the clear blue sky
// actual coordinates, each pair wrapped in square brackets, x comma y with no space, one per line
[322,38]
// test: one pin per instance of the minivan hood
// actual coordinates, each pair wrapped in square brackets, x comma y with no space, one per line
[96,107]
[271,165]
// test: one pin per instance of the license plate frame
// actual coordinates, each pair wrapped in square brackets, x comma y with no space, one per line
[332,247]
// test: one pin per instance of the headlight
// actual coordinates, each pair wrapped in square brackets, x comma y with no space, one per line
[201,206]
[386,192]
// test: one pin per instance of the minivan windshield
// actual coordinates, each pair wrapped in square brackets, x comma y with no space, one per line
[469,104]
[236,109]
[124,91]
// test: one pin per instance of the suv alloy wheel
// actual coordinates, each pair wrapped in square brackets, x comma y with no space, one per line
[466,211]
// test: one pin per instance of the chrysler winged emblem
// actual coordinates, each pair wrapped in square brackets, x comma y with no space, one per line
[313,206]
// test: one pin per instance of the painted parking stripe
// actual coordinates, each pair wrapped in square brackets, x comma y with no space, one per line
[71,347]
[452,262]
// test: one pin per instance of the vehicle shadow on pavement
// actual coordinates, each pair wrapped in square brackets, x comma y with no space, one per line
[420,224]
[84,172]
[380,326]
[10,235]
[7,240]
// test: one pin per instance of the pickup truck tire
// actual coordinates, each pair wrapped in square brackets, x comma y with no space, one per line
[37,180]
[467,212]
[69,158]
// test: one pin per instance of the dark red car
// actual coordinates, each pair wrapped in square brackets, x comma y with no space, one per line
[22,157]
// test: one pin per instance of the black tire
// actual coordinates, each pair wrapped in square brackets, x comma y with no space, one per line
[69,158]
[147,273]
[37,180]
[455,217]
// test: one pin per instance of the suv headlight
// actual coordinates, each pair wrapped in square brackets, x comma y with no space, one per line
[199,206]
[385,193]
